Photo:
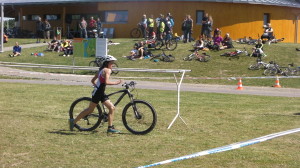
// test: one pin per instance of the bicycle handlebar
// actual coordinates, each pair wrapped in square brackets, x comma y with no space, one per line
[130,84]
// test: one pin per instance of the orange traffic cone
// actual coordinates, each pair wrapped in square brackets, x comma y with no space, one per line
[277,83]
[240,85]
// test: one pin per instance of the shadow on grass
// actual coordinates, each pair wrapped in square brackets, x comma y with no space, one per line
[68,132]
[296,113]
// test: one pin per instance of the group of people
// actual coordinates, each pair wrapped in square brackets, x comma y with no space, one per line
[42,30]
[164,26]
[61,46]
[89,29]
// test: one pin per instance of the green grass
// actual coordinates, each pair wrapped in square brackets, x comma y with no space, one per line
[34,130]
[218,67]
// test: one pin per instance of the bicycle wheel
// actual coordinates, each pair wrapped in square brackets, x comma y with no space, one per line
[253,67]
[115,72]
[89,122]
[171,44]
[139,117]
[93,64]
[168,58]
[189,58]
[204,58]
[158,44]
[270,72]
[135,33]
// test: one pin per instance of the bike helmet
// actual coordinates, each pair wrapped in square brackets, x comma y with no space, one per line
[108,58]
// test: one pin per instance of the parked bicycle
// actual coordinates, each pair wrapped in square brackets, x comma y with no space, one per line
[137,32]
[163,57]
[169,42]
[138,116]
[274,70]
[292,70]
[235,54]
[203,57]
[259,65]
[98,63]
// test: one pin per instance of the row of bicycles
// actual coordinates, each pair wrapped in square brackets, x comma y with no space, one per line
[272,68]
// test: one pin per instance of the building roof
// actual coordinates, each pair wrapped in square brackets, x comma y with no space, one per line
[288,3]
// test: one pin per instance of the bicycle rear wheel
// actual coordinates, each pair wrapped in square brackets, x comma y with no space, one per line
[168,58]
[135,33]
[89,122]
[253,67]
[204,58]
[171,44]
[270,72]
[158,44]
[189,58]
[139,117]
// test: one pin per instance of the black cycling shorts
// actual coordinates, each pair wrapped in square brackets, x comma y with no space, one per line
[99,95]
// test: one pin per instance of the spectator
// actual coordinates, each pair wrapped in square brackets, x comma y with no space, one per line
[188,28]
[268,33]
[150,26]
[99,26]
[217,41]
[199,45]
[161,27]
[5,38]
[217,32]
[53,45]
[83,26]
[257,51]
[92,25]
[227,42]
[206,25]
[47,28]
[140,49]
[16,50]
[67,48]
[172,21]
[39,30]
[168,29]
[143,25]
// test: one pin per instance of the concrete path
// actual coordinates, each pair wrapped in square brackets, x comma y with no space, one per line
[70,79]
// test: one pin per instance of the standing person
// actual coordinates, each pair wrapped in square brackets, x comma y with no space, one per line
[172,21]
[205,27]
[16,50]
[103,76]
[188,29]
[92,26]
[47,28]
[150,26]
[99,26]
[83,26]
[39,30]
[143,25]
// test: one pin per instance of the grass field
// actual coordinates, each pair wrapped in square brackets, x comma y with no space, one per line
[34,130]
[218,67]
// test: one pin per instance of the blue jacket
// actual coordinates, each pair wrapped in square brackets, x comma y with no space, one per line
[17,49]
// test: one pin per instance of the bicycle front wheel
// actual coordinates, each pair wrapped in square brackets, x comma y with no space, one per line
[270,72]
[114,71]
[135,33]
[89,122]
[253,67]
[171,44]
[204,58]
[139,117]
[93,64]
[158,44]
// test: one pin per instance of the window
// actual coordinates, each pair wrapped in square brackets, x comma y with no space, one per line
[199,16]
[266,18]
[115,16]
[52,17]
[33,17]
[75,17]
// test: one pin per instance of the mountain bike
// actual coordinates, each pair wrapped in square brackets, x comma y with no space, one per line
[274,70]
[163,57]
[292,70]
[97,63]
[138,116]
[169,41]
[200,57]
[235,54]
[137,32]
[259,65]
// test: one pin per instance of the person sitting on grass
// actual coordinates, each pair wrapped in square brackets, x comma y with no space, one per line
[199,45]
[140,48]
[16,50]
[227,42]
[257,51]
[67,48]
[53,45]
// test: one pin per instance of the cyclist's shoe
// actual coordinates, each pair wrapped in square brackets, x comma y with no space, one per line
[71,124]
[112,130]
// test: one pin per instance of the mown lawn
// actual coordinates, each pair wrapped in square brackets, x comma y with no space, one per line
[34,130]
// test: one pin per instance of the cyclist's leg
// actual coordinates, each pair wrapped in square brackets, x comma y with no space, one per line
[86,112]
[111,108]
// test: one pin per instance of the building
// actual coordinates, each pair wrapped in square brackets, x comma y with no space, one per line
[238,17]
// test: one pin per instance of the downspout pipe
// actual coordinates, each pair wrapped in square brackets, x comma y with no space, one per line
[297,28]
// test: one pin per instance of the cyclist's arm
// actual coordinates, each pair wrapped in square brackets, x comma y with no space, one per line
[107,73]
[94,79]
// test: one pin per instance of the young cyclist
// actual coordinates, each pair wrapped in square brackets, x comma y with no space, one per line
[103,76]
[258,49]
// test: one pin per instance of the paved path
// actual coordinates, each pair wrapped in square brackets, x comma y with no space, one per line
[70,79]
